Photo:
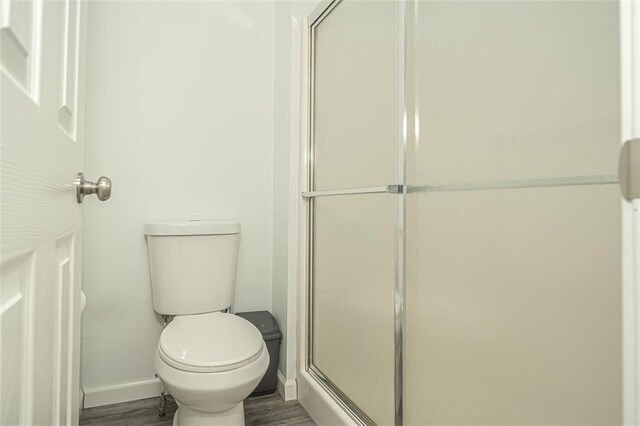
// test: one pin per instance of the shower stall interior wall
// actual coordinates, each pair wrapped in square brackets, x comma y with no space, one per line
[466,244]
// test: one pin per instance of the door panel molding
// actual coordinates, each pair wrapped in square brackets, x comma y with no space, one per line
[20,43]
[69,76]
[63,401]
[17,281]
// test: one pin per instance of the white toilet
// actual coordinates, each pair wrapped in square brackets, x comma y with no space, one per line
[208,360]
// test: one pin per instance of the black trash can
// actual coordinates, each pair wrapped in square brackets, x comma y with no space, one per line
[266,323]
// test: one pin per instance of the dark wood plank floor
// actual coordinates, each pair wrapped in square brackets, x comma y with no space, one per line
[261,410]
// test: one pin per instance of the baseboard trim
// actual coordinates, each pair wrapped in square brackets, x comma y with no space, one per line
[123,392]
[287,388]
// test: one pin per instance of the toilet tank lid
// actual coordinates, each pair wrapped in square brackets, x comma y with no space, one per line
[193,227]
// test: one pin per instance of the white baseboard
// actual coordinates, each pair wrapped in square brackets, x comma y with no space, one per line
[287,388]
[105,395]
[81,401]
[123,392]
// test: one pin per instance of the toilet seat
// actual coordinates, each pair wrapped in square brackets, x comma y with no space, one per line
[210,343]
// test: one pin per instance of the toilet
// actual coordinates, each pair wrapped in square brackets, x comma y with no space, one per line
[208,360]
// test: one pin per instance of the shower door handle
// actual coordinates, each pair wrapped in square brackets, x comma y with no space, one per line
[387,189]
[629,169]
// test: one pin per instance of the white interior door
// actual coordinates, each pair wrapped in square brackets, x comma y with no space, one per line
[41,222]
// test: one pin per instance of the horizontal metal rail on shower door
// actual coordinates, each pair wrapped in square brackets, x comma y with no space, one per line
[521,183]
[387,189]
[506,184]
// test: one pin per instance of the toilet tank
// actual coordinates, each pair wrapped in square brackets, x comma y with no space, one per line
[192,265]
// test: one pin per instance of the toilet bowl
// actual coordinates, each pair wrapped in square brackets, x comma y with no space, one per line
[210,363]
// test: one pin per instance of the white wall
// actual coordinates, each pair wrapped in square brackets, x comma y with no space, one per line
[180,117]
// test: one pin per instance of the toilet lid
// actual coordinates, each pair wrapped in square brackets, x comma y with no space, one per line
[209,342]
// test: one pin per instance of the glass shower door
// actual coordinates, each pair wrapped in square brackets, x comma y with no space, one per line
[352,236]
[513,215]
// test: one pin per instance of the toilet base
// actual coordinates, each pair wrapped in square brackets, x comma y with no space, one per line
[185,416]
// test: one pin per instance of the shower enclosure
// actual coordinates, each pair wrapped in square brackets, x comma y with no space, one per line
[468,248]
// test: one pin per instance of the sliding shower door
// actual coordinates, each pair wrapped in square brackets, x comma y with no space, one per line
[465,232]
[352,212]
[513,255]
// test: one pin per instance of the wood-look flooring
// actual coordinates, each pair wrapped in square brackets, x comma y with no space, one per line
[261,410]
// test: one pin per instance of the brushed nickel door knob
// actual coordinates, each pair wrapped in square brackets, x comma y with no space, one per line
[102,188]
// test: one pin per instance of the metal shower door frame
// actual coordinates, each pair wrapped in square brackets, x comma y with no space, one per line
[396,189]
